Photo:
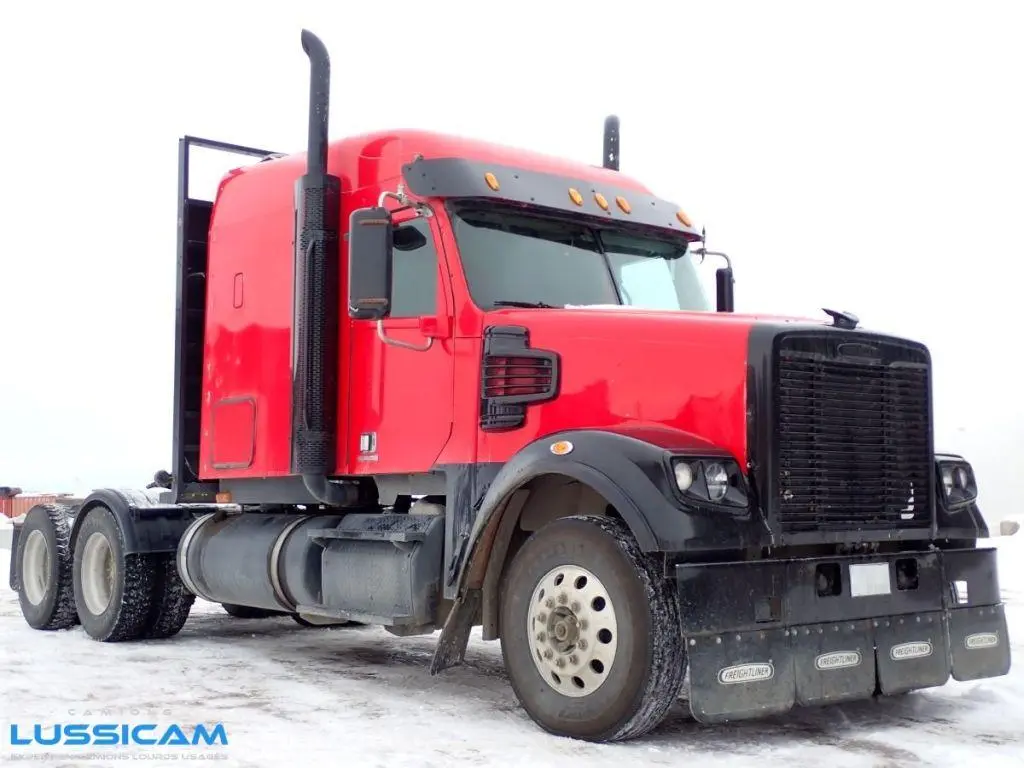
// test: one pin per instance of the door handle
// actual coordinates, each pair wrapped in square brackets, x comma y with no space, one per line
[399,343]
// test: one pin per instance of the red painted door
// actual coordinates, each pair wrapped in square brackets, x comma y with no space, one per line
[401,389]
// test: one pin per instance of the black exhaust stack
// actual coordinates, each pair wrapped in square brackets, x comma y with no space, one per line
[316,300]
[611,142]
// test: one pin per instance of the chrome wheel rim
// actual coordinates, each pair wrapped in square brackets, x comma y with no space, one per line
[98,573]
[573,630]
[35,567]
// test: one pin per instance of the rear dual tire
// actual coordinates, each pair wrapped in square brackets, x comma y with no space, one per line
[121,596]
[43,568]
[590,632]
[114,595]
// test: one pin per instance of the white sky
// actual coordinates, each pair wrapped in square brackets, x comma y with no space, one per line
[865,156]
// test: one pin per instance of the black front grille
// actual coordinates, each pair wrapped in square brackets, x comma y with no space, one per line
[853,433]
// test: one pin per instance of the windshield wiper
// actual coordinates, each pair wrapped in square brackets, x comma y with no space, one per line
[527,304]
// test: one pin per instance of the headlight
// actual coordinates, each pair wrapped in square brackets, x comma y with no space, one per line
[947,479]
[957,481]
[715,480]
[684,476]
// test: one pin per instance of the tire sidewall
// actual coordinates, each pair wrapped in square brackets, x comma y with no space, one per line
[39,616]
[602,713]
[100,520]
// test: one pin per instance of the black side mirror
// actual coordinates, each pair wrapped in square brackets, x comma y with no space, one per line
[723,286]
[370,257]
[407,238]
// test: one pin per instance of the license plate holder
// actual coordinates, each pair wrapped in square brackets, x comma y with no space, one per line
[870,579]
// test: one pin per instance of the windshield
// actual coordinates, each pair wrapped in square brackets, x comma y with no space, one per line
[512,257]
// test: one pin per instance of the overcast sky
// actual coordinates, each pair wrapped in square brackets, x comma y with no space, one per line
[865,156]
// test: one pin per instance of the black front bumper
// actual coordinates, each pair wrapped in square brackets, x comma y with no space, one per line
[763,636]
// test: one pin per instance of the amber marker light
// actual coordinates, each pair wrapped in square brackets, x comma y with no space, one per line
[684,219]
[492,181]
[575,196]
[561,448]
[623,203]
[601,201]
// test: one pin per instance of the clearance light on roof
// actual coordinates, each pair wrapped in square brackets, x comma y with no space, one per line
[623,203]
[575,196]
[684,219]
[601,201]
[492,181]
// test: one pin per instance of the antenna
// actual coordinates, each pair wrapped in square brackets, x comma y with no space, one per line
[611,142]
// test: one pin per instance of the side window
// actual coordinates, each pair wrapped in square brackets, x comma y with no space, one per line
[414,273]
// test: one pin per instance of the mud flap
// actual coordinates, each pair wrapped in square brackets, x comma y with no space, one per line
[741,675]
[834,662]
[912,652]
[979,642]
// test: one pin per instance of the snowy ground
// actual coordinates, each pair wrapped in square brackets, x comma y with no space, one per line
[290,696]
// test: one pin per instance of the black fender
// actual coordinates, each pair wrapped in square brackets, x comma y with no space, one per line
[147,525]
[630,467]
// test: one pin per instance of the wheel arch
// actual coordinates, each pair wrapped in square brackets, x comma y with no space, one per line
[537,501]
[621,472]
[147,526]
[628,467]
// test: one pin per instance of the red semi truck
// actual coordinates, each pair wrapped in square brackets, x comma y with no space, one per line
[431,384]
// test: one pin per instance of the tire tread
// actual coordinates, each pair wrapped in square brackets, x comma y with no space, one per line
[171,601]
[666,642]
[64,614]
[133,610]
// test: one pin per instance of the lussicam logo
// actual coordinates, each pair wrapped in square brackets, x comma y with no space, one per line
[118,734]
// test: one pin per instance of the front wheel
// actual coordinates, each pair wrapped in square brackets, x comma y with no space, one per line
[590,632]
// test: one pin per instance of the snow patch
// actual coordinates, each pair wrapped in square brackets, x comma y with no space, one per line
[289,695]
[1011,525]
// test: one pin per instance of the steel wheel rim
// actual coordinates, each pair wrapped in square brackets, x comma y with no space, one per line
[98,571]
[35,567]
[573,631]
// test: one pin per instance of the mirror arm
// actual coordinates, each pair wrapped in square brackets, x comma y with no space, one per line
[704,252]
[402,344]
[404,202]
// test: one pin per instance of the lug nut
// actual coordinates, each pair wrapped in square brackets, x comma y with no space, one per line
[548,653]
[582,644]
[549,603]
[575,607]
[574,659]
[542,617]
[563,598]
[559,663]
[541,637]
